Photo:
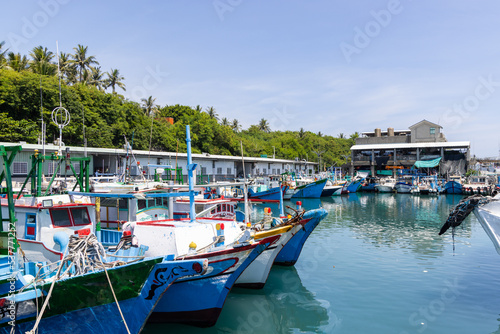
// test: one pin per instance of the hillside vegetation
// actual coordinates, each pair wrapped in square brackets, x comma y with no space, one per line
[107,118]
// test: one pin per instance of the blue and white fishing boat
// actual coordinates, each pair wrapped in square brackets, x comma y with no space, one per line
[103,297]
[310,190]
[269,194]
[454,185]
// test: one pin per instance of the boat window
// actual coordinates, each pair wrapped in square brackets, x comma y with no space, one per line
[165,201]
[123,203]
[199,208]
[151,202]
[159,201]
[223,207]
[141,204]
[80,216]
[60,217]
[218,208]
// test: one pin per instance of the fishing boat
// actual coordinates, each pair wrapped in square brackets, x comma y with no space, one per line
[331,189]
[404,185]
[83,273]
[426,185]
[104,297]
[488,216]
[269,194]
[386,185]
[478,184]
[310,190]
[453,185]
[369,184]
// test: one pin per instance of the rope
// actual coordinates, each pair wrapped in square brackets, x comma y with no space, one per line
[114,296]
[462,211]
[84,255]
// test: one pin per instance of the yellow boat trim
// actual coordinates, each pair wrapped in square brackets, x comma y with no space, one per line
[270,233]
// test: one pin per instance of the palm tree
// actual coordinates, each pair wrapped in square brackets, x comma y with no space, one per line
[81,60]
[2,54]
[67,68]
[17,62]
[301,133]
[320,134]
[114,79]
[236,125]
[211,112]
[198,108]
[264,125]
[341,135]
[96,78]
[41,61]
[148,105]
[224,122]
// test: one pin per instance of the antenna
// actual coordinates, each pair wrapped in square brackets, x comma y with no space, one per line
[60,116]
[41,116]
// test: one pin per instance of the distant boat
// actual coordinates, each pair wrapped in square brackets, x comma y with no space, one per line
[478,184]
[310,190]
[270,194]
[404,185]
[386,185]
[369,184]
[453,186]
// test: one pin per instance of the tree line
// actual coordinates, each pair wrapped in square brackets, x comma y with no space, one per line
[29,91]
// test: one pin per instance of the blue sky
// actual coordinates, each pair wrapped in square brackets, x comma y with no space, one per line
[329,66]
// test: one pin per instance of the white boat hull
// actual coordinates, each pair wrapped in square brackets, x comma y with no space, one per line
[384,188]
[489,218]
[256,274]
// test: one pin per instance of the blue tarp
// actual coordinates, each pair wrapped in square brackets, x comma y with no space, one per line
[427,163]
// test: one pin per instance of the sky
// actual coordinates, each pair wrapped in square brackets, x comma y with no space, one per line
[335,67]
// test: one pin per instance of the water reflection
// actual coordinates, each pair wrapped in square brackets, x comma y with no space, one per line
[397,220]
[283,306]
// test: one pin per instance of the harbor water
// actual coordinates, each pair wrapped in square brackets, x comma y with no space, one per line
[376,264]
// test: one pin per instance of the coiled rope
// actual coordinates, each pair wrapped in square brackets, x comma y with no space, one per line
[84,255]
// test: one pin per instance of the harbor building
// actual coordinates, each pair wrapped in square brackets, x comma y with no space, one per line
[392,149]
[114,161]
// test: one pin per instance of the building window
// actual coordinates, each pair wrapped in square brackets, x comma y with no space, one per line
[264,171]
[274,171]
[204,170]
[257,170]
[229,171]
[20,168]
[433,131]
[279,171]
[219,170]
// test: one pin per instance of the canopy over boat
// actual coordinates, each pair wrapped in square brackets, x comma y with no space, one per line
[427,163]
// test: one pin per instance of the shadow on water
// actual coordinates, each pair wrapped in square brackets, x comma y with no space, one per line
[284,305]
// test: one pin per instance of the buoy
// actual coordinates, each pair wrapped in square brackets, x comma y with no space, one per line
[192,245]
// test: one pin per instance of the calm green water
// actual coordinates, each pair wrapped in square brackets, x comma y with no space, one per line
[375,265]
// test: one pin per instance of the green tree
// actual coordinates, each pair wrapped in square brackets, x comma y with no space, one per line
[114,79]
[235,125]
[17,62]
[41,61]
[3,60]
[148,105]
[264,125]
[82,61]
[211,112]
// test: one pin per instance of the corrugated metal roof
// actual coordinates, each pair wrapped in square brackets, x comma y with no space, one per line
[119,151]
[447,144]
